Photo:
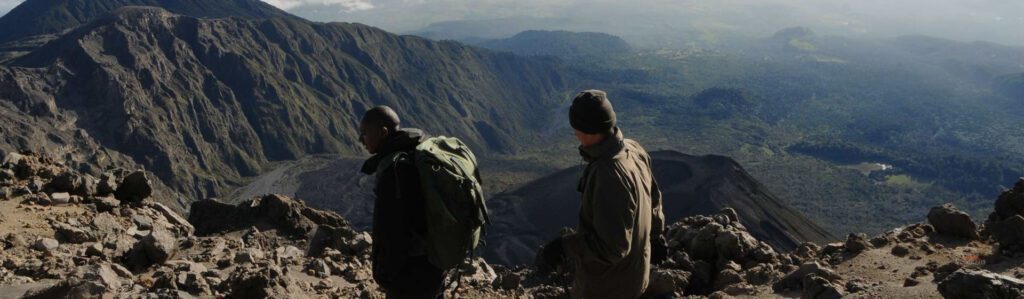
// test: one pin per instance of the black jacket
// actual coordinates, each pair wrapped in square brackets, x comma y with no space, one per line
[398,213]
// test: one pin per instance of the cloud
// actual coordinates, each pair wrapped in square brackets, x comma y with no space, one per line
[7,5]
[345,5]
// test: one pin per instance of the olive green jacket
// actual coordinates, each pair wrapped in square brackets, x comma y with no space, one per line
[619,216]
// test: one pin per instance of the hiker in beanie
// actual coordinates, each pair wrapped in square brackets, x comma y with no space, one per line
[620,216]
[400,264]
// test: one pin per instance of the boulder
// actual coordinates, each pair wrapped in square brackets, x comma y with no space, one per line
[667,281]
[159,246]
[1010,203]
[948,220]
[75,235]
[267,281]
[107,184]
[900,250]
[179,225]
[135,187]
[856,243]
[816,287]
[795,279]
[68,288]
[966,283]
[66,181]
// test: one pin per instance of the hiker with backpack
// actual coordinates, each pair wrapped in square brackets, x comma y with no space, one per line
[428,210]
[621,224]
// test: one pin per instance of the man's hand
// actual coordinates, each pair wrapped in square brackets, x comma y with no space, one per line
[551,256]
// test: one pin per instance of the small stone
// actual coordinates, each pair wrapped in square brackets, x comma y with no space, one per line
[47,245]
[95,249]
[60,198]
[910,282]
[250,255]
[900,250]
[856,243]
[106,204]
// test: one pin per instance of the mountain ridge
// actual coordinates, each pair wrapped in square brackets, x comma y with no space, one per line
[206,102]
[38,17]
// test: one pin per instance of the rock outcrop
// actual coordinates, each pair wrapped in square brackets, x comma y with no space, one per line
[948,220]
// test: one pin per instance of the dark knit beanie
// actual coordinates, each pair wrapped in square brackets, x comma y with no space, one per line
[592,113]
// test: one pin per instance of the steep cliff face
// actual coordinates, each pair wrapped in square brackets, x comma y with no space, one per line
[206,102]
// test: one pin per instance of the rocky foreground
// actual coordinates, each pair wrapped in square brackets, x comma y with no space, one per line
[66,235]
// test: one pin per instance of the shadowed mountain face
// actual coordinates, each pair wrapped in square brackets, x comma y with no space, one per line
[206,102]
[36,17]
[526,218]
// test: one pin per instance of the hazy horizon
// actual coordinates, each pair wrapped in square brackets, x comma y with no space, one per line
[962,20]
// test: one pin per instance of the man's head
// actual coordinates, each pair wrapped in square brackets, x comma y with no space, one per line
[378,123]
[592,117]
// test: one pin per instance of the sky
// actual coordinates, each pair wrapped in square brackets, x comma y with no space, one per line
[999,21]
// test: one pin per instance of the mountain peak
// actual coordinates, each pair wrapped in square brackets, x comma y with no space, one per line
[41,17]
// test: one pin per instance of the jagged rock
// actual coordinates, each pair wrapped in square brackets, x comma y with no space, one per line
[726,278]
[1010,203]
[761,274]
[807,251]
[75,235]
[269,212]
[7,175]
[159,246]
[319,268]
[106,204]
[66,181]
[478,272]
[134,188]
[250,255]
[900,250]
[68,288]
[856,243]
[15,241]
[944,271]
[816,287]
[354,274]
[910,282]
[95,249]
[46,245]
[949,221]
[793,280]
[179,225]
[966,283]
[264,281]
[856,286]
[740,289]
[509,280]
[288,252]
[107,184]
[1009,233]
[881,241]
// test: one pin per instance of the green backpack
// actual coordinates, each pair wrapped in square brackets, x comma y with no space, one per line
[454,200]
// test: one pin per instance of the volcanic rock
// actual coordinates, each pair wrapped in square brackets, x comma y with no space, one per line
[950,221]
[135,187]
[966,283]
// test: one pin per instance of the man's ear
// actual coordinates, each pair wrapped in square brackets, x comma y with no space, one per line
[384,131]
